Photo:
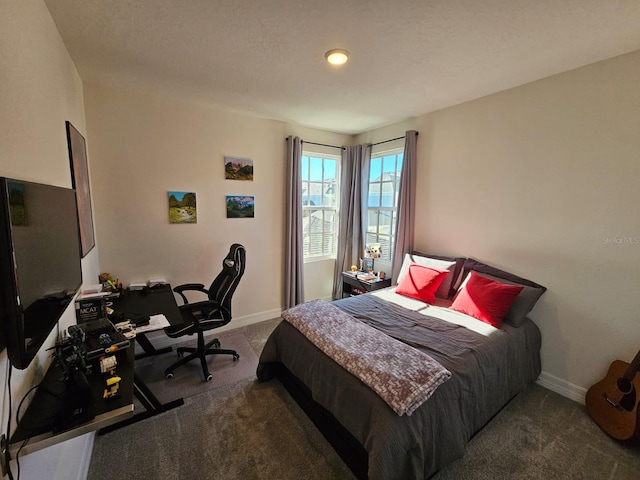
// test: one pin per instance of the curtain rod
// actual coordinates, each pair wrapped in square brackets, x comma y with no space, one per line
[322,144]
[335,146]
[387,141]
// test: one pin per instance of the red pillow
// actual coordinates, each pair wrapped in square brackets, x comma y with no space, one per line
[485,299]
[421,282]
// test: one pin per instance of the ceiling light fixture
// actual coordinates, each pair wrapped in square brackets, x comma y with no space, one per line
[337,56]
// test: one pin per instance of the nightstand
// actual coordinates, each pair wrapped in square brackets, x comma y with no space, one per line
[351,285]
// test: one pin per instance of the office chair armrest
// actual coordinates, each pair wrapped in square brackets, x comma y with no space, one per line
[190,287]
[196,310]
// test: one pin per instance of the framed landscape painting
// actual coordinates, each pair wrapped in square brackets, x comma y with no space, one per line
[238,168]
[182,207]
[80,182]
[240,206]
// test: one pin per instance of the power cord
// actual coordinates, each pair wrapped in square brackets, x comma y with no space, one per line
[7,454]
[41,388]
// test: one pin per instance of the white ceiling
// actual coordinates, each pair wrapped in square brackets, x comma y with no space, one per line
[408,57]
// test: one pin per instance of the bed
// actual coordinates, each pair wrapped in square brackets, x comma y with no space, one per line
[488,366]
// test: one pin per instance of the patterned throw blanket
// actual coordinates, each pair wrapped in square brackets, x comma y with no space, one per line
[401,375]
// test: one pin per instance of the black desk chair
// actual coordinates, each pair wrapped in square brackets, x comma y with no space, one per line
[209,314]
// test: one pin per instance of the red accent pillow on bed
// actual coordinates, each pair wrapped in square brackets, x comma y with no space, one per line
[421,282]
[485,299]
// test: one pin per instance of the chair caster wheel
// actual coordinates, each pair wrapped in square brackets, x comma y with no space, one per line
[236,356]
[209,378]
[169,375]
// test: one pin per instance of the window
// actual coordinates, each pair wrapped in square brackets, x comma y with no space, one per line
[320,183]
[384,183]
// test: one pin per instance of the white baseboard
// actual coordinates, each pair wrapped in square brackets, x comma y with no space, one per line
[562,387]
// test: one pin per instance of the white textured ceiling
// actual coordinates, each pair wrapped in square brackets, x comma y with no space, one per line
[408,57]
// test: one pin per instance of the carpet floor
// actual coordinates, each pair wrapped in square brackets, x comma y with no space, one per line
[241,429]
[188,379]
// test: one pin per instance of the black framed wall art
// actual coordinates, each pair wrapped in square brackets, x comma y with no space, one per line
[80,182]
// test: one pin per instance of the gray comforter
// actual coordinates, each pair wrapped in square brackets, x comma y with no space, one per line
[403,376]
[487,371]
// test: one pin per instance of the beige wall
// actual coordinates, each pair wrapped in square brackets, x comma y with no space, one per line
[539,180]
[536,180]
[39,90]
[143,146]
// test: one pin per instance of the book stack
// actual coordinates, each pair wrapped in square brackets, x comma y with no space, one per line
[156,282]
[365,276]
[90,307]
[91,289]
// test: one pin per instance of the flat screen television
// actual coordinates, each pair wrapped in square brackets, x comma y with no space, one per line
[40,263]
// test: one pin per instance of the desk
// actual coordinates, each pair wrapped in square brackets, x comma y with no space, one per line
[38,426]
[37,423]
[148,302]
[159,300]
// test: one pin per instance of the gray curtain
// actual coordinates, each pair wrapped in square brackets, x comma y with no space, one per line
[406,203]
[294,273]
[354,185]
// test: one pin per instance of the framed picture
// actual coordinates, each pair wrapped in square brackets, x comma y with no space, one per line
[80,181]
[238,169]
[240,206]
[182,207]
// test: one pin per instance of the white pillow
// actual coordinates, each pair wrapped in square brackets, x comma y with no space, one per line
[445,286]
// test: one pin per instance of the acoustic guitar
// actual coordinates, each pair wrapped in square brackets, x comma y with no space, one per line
[613,402]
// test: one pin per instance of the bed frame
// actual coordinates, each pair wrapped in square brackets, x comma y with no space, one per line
[343,442]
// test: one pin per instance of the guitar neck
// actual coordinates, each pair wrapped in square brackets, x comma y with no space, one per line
[634,366]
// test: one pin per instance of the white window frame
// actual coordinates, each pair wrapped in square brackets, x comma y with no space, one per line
[392,187]
[307,207]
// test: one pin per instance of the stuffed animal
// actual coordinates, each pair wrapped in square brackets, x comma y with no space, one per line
[373,251]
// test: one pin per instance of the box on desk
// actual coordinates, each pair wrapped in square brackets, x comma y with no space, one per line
[90,308]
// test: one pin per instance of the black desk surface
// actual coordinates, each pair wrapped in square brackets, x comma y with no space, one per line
[37,425]
[37,422]
[153,301]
